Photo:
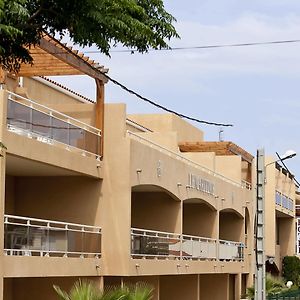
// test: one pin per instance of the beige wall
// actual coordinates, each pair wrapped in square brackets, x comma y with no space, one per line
[213,286]
[231,226]
[229,166]
[9,195]
[39,288]
[286,236]
[206,159]
[246,171]
[66,199]
[116,193]
[166,122]
[155,211]
[270,211]
[179,287]
[41,92]
[199,220]
[279,221]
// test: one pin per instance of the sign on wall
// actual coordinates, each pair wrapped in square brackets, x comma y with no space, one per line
[200,184]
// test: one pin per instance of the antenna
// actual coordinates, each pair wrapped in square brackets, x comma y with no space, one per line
[221,134]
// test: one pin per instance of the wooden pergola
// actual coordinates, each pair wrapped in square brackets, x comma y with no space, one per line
[53,58]
[219,148]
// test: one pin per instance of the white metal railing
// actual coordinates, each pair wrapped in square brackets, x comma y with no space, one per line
[247,185]
[26,117]
[183,158]
[194,247]
[37,237]
[229,250]
[150,243]
[284,201]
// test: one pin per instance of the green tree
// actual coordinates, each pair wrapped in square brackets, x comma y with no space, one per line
[138,24]
[274,286]
[291,269]
[84,290]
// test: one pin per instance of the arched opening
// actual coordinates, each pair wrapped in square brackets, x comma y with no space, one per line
[155,222]
[231,232]
[231,225]
[199,230]
[154,208]
[199,218]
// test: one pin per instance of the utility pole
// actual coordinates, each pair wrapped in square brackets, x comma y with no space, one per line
[260,272]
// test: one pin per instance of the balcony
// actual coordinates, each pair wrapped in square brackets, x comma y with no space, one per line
[284,201]
[36,237]
[164,245]
[33,120]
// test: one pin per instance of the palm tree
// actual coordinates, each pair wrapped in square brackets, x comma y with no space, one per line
[274,286]
[84,290]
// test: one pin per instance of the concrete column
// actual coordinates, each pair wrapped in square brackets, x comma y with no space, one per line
[238,286]
[214,286]
[179,287]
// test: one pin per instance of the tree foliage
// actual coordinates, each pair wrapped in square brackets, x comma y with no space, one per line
[85,290]
[137,24]
[274,286]
[291,269]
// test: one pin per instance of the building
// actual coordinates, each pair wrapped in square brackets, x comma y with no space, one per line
[120,199]
[280,197]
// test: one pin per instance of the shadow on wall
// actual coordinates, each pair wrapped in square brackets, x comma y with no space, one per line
[66,199]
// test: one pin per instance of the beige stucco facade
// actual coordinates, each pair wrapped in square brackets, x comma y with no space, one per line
[143,212]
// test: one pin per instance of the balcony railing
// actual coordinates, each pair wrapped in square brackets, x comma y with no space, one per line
[164,245]
[194,247]
[284,201]
[297,208]
[37,237]
[246,184]
[26,117]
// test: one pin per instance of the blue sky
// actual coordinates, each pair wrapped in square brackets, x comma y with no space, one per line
[255,88]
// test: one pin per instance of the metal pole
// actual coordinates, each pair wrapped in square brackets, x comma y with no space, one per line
[260,273]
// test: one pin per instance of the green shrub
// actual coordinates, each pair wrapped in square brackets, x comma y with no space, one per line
[274,286]
[291,269]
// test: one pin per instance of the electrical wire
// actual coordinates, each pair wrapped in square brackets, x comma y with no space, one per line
[144,98]
[278,42]
[163,107]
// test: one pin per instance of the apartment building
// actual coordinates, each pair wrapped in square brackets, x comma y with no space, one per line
[280,195]
[123,198]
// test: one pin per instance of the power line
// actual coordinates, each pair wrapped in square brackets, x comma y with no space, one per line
[278,42]
[147,99]
[163,107]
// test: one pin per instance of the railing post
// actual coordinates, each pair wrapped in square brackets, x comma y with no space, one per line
[48,239]
[67,240]
[31,117]
[82,242]
[68,123]
[51,125]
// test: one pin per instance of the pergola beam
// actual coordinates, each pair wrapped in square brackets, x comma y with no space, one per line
[71,59]
[219,148]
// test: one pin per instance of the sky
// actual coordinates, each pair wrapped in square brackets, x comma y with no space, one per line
[255,88]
